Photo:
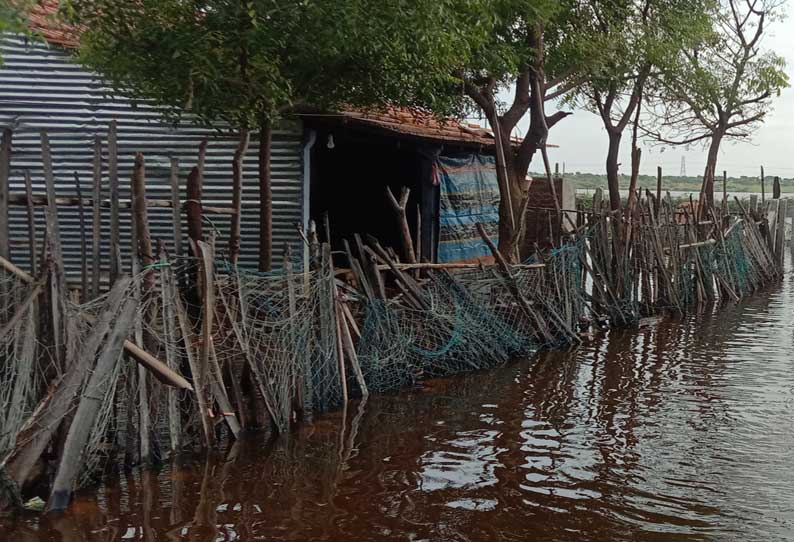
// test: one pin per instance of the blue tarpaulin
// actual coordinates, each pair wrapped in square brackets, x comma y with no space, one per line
[469,195]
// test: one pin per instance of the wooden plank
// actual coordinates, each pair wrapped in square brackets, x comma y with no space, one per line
[140,217]
[349,348]
[87,410]
[265,197]
[157,368]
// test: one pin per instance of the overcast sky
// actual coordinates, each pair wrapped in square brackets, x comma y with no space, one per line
[583,141]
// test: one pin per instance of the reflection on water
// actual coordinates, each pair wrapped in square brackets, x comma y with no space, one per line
[682,431]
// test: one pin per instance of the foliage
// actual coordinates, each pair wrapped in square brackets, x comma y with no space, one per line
[12,17]
[631,43]
[726,84]
[242,61]
[527,45]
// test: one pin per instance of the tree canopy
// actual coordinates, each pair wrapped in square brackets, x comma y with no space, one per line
[631,44]
[238,61]
[723,88]
[12,18]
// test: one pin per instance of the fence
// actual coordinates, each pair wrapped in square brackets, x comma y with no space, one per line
[193,349]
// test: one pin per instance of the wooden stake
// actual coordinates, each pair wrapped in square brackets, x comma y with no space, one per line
[5,173]
[209,360]
[176,207]
[265,197]
[31,224]
[96,222]
[83,242]
[405,230]
[113,177]
[171,358]
[658,189]
[195,187]
[237,196]
[763,190]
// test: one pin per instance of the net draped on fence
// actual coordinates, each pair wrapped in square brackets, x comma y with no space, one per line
[245,339]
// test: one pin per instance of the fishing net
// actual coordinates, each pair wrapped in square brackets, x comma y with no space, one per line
[284,326]
[476,319]
[23,362]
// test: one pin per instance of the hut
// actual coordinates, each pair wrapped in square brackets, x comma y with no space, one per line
[336,165]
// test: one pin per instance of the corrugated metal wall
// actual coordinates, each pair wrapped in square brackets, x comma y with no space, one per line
[41,88]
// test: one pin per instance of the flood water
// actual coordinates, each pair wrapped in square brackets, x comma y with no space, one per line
[679,431]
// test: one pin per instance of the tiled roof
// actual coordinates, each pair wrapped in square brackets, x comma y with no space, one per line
[418,123]
[42,20]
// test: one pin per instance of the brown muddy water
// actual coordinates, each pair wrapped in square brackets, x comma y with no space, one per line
[680,431]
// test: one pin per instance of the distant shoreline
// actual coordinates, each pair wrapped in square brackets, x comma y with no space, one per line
[686,185]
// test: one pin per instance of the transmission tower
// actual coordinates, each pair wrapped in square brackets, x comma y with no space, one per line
[683,166]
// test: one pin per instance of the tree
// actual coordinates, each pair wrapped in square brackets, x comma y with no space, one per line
[631,43]
[528,44]
[724,88]
[12,18]
[247,63]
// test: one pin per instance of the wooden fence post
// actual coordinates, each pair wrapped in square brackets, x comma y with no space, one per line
[237,195]
[96,223]
[5,173]
[113,177]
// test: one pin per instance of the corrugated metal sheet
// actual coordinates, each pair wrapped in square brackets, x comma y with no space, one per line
[41,88]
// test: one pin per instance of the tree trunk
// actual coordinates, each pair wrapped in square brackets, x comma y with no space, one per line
[613,177]
[707,190]
[265,198]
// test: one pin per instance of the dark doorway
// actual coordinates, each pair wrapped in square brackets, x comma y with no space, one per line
[350,171]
